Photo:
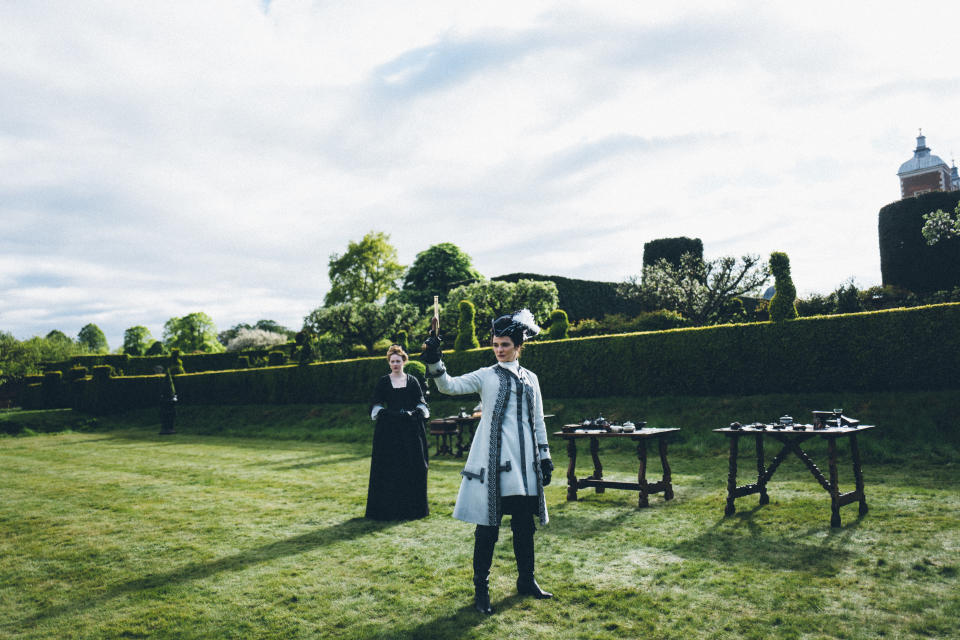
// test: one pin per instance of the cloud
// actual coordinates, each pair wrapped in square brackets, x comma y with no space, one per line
[157,160]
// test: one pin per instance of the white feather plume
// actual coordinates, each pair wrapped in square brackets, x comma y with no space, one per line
[525,318]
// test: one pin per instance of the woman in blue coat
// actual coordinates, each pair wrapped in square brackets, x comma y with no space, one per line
[509,461]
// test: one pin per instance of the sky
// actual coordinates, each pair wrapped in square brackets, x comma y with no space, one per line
[158,159]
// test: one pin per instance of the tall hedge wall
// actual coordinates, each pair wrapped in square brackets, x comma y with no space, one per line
[671,249]
[898,349]
[906,260]
[583,298]
[144,365]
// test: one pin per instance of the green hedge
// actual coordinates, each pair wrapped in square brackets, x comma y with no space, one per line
[906,260]
[671,250]
[583,298]
[899,349]
[145,365]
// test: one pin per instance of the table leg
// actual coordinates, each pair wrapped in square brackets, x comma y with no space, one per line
[858,473]
[834,483]
[761,471]
[667,478]
[642,474]
[571,472]
[459,441]
[597,467]
[732,475]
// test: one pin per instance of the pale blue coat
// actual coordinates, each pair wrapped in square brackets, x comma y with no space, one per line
[497,440]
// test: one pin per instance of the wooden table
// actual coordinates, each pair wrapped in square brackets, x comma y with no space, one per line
[664,485]
[445,429]
[791,439]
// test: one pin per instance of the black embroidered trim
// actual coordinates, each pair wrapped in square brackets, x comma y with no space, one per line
[542,506]
[523,450]
[494,513]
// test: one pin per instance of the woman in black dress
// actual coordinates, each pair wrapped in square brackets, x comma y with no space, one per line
[398,465]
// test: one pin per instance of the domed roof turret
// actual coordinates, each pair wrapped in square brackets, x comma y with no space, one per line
[922,158]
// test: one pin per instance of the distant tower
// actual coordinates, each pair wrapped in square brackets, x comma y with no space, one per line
[955,177]
[924,172]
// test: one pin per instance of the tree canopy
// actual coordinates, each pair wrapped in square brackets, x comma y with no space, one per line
[136,340]
[21,358]
[434,271]
[365,273]
[224,337]
[362,323]
[493,298]
[193,332]
[704,292]
[92,338]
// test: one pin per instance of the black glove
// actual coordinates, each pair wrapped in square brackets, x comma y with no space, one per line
[546,470]
[431,350]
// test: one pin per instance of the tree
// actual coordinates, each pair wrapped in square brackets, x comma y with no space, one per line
[136,340]
[193,332]
[224,337]
[847,298]
[93,339]
[362,323]
[783,304]
[57,335]
[466,328]
[255,339]
[704,292]
[435,271]
[23,358]
[938,225]
[494,298]
[156,348]
[365,273]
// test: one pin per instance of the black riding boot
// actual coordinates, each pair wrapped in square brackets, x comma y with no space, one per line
[484,538]
[523,529]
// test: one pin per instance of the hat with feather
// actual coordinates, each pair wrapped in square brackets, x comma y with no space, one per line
[517,326]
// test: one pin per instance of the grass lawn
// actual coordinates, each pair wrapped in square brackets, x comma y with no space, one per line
[120,533]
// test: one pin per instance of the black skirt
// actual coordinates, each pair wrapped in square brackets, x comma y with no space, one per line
[399,462]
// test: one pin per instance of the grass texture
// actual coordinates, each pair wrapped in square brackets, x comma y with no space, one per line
[112,531]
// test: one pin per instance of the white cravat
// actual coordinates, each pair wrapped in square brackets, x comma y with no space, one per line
[513,367]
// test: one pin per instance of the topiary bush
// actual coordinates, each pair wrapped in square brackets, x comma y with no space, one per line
[783,304]
[466,328]
[418,370]
[403,340]
[906,260]
[671,249]
[558,325]
[175,365]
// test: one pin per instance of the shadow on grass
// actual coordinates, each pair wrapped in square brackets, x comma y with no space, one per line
[739,539]
[456,624]
[308,462]
[347,530]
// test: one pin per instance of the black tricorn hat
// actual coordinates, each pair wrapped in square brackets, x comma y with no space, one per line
[517,326]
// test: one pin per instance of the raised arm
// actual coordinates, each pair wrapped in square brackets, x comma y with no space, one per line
[454,386]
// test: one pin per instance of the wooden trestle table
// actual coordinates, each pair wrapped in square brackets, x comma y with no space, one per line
[641,436]
[791,439]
